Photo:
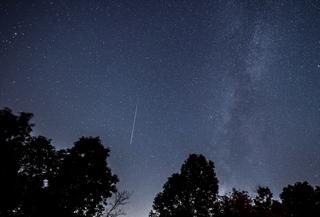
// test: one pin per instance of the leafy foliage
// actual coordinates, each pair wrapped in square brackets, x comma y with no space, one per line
[38,180]
[14,134]
[192,192]
[300,200]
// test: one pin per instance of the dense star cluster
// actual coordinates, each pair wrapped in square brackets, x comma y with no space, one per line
[238,81]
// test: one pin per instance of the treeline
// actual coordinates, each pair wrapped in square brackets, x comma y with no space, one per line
[39,181]
[193,192]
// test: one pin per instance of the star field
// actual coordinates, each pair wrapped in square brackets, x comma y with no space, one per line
[238,81]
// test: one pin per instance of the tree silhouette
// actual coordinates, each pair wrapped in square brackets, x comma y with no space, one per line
[263,202]
[84,181]
[37,180]
[14,134]
[192,192]
[36,169]
[237,204]
[317,199]
[277,209]
[114,208]
[300,200]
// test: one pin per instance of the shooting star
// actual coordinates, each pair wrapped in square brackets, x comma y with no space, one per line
[134,123]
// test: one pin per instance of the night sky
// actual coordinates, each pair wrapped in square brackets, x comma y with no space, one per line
[238,81]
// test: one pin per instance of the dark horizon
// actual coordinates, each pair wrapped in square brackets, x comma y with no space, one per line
[236,81]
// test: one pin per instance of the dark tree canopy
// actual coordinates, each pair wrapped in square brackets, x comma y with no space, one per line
[37,180]
[301,200]
[14,134]
[84,181]
[263,202]
[241,204]
[237,204]
[192,192]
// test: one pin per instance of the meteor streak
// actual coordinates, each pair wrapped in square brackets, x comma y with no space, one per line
[134,123]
